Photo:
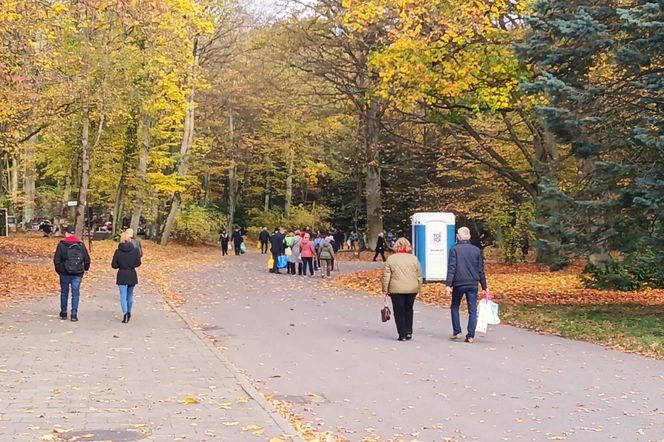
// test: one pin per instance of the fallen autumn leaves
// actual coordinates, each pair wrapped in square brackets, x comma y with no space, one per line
[26,267]
[518,284]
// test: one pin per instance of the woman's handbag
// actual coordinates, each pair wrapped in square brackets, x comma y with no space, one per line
[385,312]
[289,251]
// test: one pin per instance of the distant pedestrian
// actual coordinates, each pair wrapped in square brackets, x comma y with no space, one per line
[326,256]
[126,258]
[294,257]
[390,239]
[318,242]
[380,247]
[71,261]
[307,253]
[135,242]
[277,248]
[464,271]
[339,238]
[353,237]
[237,241]
[224,240]
[46,227]
[402,281]
[264,238]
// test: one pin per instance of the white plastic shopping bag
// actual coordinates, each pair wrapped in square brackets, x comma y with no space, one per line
[483,316]
[495,320]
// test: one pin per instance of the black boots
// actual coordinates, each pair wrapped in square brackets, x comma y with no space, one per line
[126,318]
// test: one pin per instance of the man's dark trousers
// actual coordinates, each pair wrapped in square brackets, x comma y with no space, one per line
[471,299]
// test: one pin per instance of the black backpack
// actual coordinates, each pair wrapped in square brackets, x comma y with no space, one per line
[75,263]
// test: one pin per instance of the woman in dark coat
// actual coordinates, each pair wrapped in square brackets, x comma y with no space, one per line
[380,247]
[126,259]
[224,239]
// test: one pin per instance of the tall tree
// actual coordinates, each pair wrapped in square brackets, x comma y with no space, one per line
[599,67]
[330,45]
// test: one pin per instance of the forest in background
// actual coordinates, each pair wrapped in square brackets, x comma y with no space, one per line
[535,122]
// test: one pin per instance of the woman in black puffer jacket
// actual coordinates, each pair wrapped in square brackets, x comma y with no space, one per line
[126,259]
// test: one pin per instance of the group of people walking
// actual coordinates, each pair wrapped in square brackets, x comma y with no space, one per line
[300,252]
[402,275]
[236,238]
[72,262]
[402,281]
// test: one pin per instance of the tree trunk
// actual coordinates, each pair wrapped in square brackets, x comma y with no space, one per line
[289,180]
[118,206]
[13,183]
[185,147]
[29,181]
[85,176]
[3,170]
[233,186]
[146,142]
[370,132]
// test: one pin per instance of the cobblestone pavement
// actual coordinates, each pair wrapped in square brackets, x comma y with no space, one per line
[326,352]
[98,379]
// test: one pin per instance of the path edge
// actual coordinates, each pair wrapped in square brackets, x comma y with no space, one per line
[241,379]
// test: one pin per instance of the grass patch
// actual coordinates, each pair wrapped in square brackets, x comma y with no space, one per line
[627,327]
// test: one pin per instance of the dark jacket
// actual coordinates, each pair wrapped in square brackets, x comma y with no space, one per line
[380,244]
[264,236]
[237,238]
[465,266]
[339,238]
[126,259]
[278,247]
[61,255]
[223,238]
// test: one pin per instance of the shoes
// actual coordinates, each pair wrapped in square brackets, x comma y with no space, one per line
[124,319]
[74,317]
[409,336]
[63,315]
[469,340]
[455,337]
[128,316]
[401,338]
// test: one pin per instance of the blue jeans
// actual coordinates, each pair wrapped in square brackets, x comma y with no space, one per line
[471,300]
[126,297]
[65,282]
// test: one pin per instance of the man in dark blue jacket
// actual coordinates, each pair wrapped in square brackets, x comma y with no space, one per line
[465,269]
[264,238]
[278,248]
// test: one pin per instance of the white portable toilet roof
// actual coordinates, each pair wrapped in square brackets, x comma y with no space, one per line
[424,217]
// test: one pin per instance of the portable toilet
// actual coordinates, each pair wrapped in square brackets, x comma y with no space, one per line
[434,234]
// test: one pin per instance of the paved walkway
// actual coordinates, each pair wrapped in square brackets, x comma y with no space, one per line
[152,379]
[326,351]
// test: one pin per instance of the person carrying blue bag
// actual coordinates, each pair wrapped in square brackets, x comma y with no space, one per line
[278,250]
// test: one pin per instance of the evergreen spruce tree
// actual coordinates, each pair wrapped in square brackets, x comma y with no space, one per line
[599,71]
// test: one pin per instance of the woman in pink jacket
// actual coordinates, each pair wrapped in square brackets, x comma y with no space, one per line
[307,253]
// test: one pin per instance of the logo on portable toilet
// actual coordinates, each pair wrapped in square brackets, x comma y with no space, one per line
[433,237]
